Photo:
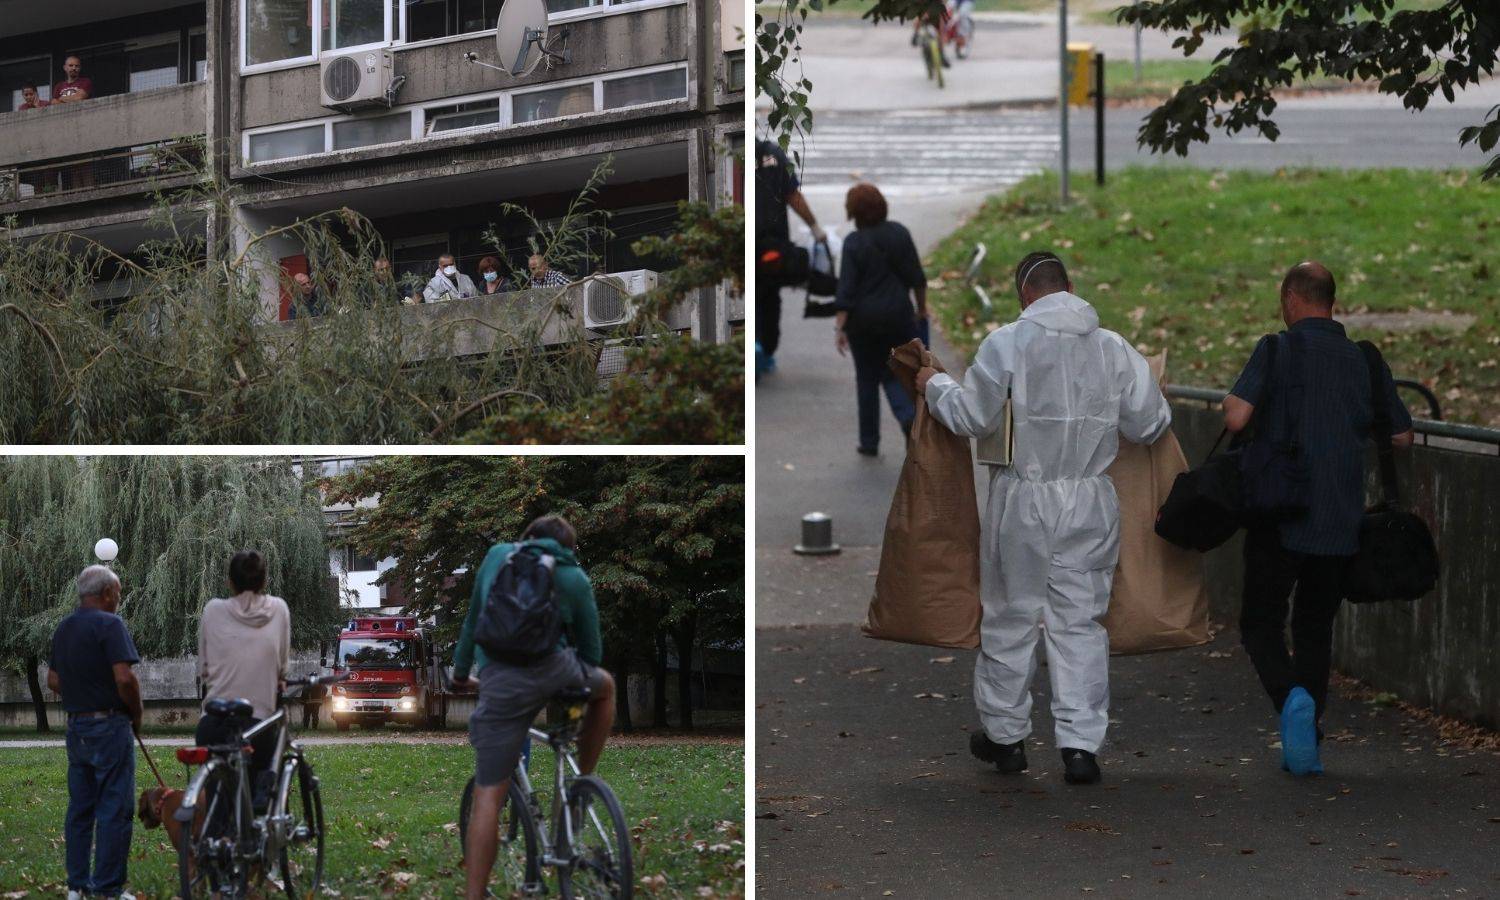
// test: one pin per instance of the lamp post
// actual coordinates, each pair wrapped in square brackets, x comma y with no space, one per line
[1062,97]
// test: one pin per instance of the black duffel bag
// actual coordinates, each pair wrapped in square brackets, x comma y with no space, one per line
[1397,558]
[782,263]
[1202,510]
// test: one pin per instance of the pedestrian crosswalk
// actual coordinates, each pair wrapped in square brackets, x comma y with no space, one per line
[927,150]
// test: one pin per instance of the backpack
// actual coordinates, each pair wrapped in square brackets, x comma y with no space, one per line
[520,622]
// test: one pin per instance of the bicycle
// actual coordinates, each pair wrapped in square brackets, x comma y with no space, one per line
[958,27]
[594,861]
[224,846]
[932,51]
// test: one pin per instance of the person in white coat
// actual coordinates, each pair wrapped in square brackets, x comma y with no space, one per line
[1051,536]
[447,283]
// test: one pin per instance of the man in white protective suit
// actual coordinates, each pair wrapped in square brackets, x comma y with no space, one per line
[1051,537]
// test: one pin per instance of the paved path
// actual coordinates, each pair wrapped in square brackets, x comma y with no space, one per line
[865,790]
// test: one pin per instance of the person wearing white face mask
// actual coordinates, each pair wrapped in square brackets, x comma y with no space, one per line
[1051,536]
[448,283]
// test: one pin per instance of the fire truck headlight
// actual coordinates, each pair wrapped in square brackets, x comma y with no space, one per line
[407,704]
[340,703]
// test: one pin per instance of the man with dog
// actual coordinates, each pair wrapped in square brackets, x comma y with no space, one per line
[89,667]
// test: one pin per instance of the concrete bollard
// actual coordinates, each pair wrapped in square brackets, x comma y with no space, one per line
[817,536]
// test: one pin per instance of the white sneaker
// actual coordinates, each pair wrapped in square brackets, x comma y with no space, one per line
[76,895]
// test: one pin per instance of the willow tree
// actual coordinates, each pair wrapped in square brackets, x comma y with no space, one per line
[190,356]
[177,520]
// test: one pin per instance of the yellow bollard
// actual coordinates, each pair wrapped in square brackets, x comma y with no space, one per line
[1080,73]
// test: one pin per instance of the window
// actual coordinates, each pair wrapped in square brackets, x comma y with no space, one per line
[276,30]
[352,23]
[558,6]
[428,19]
[355,560]
[283,144]
[364,132]
[639,89]
[197,56]
[734,69]
[374,653]
[151,67]
[565,101]
[463,115]
[13,74]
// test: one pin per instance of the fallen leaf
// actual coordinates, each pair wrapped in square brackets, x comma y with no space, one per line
[380,843]
[941,660]
[866,670]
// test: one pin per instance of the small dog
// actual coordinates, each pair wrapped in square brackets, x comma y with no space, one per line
[158,808]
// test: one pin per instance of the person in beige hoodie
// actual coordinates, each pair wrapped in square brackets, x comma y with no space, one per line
[243,645]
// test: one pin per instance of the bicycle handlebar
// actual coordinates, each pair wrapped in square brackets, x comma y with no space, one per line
[313,680]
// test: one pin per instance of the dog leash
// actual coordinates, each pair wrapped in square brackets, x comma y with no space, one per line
[147,753]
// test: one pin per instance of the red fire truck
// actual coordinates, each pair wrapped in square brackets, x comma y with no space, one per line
[394,675]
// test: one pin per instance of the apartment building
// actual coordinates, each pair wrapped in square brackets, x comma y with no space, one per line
[382,106]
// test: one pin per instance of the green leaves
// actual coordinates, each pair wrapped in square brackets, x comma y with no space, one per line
[1344,38]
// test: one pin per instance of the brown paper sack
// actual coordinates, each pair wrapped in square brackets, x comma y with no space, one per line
[927,590]
[1159,600]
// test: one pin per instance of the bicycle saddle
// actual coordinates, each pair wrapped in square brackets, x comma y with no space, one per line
[229,708]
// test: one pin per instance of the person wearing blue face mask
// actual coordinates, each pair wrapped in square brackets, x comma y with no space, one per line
[448,283]
[489,270]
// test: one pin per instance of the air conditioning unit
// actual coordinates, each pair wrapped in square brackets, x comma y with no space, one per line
[606,299]
[358,80]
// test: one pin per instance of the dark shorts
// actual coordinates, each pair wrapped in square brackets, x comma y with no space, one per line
[510,698]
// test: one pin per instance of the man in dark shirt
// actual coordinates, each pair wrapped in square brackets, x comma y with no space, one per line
[1332,413]
[90,667]
[776,188]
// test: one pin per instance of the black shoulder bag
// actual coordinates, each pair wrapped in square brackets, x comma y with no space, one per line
[1397,558]
[1206,505]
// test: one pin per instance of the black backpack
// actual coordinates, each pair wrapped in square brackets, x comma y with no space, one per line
[520,622]
[1397,558]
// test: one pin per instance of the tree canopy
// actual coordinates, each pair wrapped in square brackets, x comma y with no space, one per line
[177,520]
[662,538]
[1414,54]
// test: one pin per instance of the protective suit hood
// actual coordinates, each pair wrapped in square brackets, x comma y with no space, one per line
[1063,312]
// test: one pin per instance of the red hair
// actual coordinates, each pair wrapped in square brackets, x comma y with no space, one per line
[865,205]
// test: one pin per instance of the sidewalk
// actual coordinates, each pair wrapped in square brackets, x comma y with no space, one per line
[865,787]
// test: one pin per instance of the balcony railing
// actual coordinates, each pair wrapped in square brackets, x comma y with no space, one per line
[149,162]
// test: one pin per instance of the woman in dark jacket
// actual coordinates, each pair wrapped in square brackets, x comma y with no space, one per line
[878,276]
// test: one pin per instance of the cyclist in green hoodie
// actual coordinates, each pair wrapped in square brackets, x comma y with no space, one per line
[510,696]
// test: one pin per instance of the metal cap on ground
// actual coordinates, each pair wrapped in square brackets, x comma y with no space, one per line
[817,536]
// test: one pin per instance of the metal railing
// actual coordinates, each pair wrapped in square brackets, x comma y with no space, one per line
[84,173]
[1426,428]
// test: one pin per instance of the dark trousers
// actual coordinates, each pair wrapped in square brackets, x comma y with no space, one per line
[1271,573]
[101,803]
[767,317]
[871,373]
[218,730]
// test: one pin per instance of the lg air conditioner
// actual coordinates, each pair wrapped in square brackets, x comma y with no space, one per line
[357,80]
[606,298]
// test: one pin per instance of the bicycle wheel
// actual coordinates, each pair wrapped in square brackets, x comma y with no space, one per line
[516,862]
[208,848]
[299,804]
[935,60]
[601,864]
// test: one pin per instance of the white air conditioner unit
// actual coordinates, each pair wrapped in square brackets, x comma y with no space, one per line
[606,299]
[357,80]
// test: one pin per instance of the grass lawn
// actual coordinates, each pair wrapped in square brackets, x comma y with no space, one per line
[393,811]
[1190,260]
[1160,78]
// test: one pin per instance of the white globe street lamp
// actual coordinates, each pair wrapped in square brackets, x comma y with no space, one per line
[106,550]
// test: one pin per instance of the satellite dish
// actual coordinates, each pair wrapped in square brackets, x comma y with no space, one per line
[521,36]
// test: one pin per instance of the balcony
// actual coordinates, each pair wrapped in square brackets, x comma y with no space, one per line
[156,164]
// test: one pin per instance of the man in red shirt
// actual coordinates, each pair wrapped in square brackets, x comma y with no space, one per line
[29,99]
[77,87]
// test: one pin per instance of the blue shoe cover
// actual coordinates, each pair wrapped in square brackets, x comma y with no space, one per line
[1299,734]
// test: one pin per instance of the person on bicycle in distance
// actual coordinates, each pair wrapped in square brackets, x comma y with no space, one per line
[243,645]
[938,21]
[511,693]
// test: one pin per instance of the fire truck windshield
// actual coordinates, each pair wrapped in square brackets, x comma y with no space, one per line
[374,653]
